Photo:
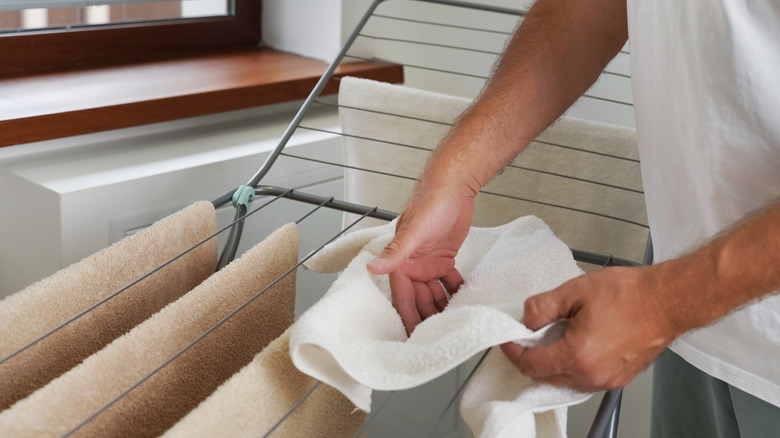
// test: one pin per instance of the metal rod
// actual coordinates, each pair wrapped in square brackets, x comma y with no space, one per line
[374,413]
[452,26]
[235,234]
[579,255]
[547,143]
[212,328]
[123,289]
[603,419]
[422,43]
[465,49]
[384,113]
[512,166]
[457,393]
[475,76]
[266,166]
[329,202]
[293,408]
[479,6]
[231,246]
[612,430]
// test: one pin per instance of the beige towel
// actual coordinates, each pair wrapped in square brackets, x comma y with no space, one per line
[255,399]
[161,401]
[44,305]
[578,230]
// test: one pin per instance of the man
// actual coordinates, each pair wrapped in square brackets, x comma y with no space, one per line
[706,79]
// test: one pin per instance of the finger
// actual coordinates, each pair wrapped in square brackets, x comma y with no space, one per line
[547,307]
[408,237]
[391,258]
[544,361]
[438,294]
[403,293]
[424,298]
[432,268]
[452,281]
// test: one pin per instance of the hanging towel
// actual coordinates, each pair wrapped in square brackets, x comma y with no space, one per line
[261,394]
[354,340]
[407,123]
[161,401]
[48,303]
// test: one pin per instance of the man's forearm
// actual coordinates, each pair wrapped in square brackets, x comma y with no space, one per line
[737,267]
[555,56]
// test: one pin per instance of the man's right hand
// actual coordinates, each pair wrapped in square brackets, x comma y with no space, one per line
[420,260]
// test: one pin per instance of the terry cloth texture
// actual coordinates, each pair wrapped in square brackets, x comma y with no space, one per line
[354,340]
[157,404]
[571,148]
[39,308]
[259,396]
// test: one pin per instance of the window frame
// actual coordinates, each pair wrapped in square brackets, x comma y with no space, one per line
[51,50]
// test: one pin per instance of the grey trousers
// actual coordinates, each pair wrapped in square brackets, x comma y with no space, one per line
[688,403]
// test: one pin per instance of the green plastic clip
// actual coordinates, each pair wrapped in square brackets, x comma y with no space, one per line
[244,195]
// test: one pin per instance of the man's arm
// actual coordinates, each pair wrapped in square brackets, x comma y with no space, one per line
[555,55]
[620,319]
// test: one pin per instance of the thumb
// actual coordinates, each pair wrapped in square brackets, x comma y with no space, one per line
[547,307]
[392,257]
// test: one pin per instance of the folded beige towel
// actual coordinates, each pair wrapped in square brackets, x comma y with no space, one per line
[28,314]
[261,394]
[404,116]
[161,401]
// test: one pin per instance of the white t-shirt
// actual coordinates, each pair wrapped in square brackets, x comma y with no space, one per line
[706,83]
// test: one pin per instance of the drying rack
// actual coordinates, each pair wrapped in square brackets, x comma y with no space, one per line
[606,420]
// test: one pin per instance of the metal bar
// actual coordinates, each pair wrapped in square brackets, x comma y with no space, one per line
[612,430]
[231,247]
[124,288]
[373,415]
[603,419]
[580,256]
[457,394]
[479,6]
[266,166]
[212,328]
[465,49]
[475,76]
[235,234]
[422,43]
[433,23]
[547,143]
[326,202]
[293,408]
[384,113]
[511,166]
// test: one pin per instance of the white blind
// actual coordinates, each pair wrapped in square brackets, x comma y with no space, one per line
[15,5]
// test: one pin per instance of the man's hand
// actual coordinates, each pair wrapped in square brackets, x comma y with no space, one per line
[421,257]
[615,328]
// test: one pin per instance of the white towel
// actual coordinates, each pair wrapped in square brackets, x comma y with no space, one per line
[398,116]
[354,340]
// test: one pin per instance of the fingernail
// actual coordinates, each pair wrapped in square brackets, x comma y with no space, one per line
[378,264]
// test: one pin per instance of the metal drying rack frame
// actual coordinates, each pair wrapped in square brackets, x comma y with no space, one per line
[606,420]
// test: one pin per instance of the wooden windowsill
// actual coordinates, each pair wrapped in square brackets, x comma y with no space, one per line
[55,105]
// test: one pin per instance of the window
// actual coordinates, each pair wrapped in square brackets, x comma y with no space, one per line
[36,39]
[60,80]
[53,14]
